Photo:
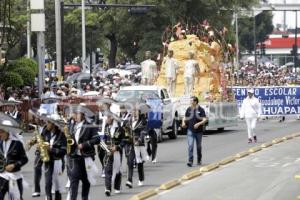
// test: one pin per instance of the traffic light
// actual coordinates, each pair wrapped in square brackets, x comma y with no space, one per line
[263,49]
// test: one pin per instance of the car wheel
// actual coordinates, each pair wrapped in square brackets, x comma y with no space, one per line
[221,129]
[173,134]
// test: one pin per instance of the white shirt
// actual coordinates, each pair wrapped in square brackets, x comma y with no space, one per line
[171,67]
[251,107]
[78,130]
[190,68]
[149,69]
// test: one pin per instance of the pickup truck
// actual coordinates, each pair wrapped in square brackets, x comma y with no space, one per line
[170,123]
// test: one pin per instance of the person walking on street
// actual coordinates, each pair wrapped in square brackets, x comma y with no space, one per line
[194,121]
[251,111]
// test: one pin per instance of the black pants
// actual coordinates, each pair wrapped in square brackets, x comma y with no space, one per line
[152,144]
[38,163]
[108,175]
[101,155]
[130,155]
[77,172]
[4,187]
[49,167]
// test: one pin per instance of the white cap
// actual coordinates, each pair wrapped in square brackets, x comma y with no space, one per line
[251,90]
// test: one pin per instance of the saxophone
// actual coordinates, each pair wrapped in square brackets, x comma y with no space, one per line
[70,141]
[42,146]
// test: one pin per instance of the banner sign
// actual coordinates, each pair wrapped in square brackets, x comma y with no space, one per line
[276,101]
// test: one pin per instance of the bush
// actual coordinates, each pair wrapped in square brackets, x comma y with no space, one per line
[25,62]
[27,75]
[12,79]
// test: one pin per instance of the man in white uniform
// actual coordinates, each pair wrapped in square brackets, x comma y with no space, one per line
[171,72]
[149,70]
[251,111]
[190,69]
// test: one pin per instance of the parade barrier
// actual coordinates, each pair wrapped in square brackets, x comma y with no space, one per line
[275,100]
[202,170]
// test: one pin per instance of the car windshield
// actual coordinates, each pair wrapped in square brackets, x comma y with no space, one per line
[123,95]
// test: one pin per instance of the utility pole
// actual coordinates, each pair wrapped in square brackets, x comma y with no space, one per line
[237,39]
[83,35]
[58,34]
[254,41]
[38,25]
[28,32]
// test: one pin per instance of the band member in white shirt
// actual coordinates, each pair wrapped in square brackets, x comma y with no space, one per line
[12,158]
[149,70]
[171,65]
[191,68]
[251,111]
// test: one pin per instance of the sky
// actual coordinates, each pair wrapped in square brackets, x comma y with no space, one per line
[290,16]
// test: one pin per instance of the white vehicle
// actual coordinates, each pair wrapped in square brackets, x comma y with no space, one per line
[220,115]
[170,123]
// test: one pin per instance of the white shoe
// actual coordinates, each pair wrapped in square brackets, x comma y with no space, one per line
[36,194]
[68,184]
[147,158]
[129,184]
[154,161]
[117,191]
[103,174]
[140,183]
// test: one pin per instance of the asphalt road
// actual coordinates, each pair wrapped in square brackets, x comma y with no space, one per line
[172,157]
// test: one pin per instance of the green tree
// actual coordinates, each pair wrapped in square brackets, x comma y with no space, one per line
[263,27]
[25,63]
[12,79]
[27,75]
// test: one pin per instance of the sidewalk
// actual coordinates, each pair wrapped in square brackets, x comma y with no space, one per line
[265,175]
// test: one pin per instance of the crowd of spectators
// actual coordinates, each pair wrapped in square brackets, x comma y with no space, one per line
[265,75]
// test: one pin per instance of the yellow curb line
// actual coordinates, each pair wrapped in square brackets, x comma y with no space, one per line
[227,160]
[298,197]
[144,195]
[241,154]
[210,167]
[297,177]
[265,145]
[191,175]
[277,140]
[288,137]
[169,185]
[255,149]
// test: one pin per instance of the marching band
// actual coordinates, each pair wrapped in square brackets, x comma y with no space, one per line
[68,141]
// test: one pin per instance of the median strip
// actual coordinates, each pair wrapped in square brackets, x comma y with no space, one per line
[144,195]
[169,185]
[255,149]
[267,144]
[297,177]
[277,140]
[241,154]
[227,160]
[210,167]
[288,137]
[191,175]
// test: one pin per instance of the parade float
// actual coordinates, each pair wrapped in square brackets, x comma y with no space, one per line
[211,84]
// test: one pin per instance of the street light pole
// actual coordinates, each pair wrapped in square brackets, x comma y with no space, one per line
[296,41]
[83,34]
[28,30]
[58,38]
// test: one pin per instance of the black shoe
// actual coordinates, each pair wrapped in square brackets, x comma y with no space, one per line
[199,163]
[107,193]
[249,140]
[255,139]
[189,164]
